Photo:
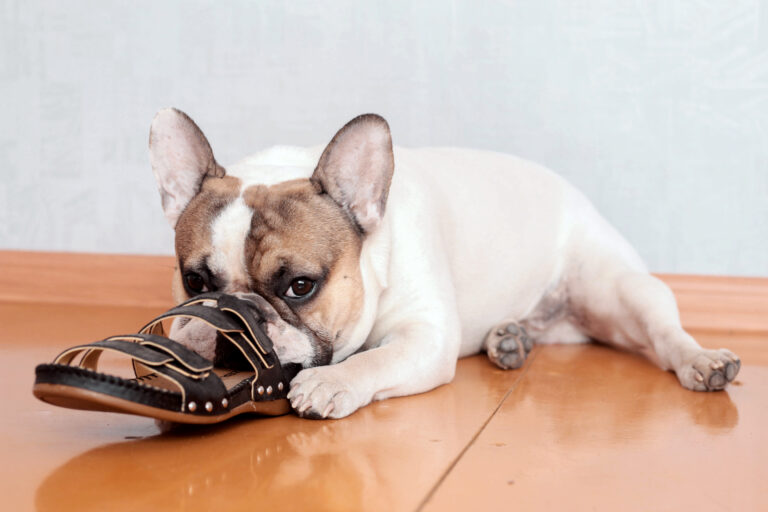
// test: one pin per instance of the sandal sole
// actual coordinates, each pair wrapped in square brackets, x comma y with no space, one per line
[85,399]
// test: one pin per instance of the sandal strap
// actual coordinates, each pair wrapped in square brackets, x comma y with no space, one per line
[155,354]
[203,297]
[267,382]
[244,313]
[189,358]
[210,315]
[119,344]
[200,396]
[201,390]
[237,322]
[234,318]
[248,318]
[271,379]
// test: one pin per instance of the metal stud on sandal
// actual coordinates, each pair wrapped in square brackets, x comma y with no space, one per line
[172,382]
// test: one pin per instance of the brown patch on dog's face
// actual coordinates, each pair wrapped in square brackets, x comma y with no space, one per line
[296,232]
[299,233]
[295,245]
[193,229]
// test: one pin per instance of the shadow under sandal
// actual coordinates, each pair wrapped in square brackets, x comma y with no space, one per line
[172,382]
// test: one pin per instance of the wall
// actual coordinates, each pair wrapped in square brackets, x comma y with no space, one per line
[657,110]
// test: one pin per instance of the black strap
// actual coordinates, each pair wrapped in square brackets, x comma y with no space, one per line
[237,320]
[208,296]
[271,381]
[248,318]
[190,359]
[206,392]
[210,315]
[134,350]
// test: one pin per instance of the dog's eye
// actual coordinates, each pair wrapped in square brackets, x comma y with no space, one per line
[300,287]
[195,282]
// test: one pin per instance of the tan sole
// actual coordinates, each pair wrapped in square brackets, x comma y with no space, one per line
[78,398]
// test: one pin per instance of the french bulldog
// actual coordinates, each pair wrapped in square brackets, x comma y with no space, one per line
[376,267]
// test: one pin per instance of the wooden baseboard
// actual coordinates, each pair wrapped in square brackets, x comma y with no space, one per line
[734,305]
[86,279]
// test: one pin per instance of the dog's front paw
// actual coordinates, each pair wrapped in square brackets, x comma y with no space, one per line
[322,392]
[709,370]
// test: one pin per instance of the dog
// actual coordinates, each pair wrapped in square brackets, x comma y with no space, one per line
[376,267]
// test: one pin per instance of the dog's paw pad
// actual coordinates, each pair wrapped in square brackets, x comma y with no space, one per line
[709,370]
[508,345]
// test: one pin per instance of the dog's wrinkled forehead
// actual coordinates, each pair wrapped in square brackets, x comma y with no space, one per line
[294,223]
[246,233]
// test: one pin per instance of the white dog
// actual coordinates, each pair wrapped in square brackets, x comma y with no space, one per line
[376,268]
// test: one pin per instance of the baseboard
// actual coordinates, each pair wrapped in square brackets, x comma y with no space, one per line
[86,279]
[734,305]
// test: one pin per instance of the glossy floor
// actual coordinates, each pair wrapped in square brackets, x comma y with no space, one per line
[578,428]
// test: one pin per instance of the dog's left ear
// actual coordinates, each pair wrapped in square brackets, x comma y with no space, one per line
[181,159]
[356,169]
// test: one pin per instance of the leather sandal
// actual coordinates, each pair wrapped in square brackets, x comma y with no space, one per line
[172,382]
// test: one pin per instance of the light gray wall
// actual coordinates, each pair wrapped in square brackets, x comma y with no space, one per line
[657,110]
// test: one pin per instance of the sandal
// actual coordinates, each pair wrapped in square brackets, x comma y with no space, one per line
[172,382]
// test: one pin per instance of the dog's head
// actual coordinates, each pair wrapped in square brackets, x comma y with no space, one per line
[294,247]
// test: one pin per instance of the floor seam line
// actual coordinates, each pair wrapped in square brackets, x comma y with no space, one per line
[471,442]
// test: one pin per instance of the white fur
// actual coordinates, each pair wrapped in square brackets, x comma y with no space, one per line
[197,335]
[275,165]
[228,233]
[291,345]
[470,239]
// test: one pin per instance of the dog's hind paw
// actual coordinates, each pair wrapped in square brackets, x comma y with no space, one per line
[709,370]
[507,345]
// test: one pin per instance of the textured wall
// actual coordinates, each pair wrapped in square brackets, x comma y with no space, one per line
[657,110]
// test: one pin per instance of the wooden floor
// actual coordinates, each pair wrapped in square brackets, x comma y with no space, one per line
[578,428]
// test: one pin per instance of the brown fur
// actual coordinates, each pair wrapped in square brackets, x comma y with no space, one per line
[193,229]
[296,230]
[304,232]
[307,228]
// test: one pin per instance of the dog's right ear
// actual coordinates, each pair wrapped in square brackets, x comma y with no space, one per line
[181,158]
[356,168]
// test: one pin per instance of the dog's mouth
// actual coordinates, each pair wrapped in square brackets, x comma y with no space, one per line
[226,355]
[293,345]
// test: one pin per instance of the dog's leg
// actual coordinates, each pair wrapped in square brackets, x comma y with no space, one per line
[616,301]
[507,345]
[411,358]
[648,310]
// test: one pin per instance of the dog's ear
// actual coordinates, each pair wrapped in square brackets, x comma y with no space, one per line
[356,169]
[181,158]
